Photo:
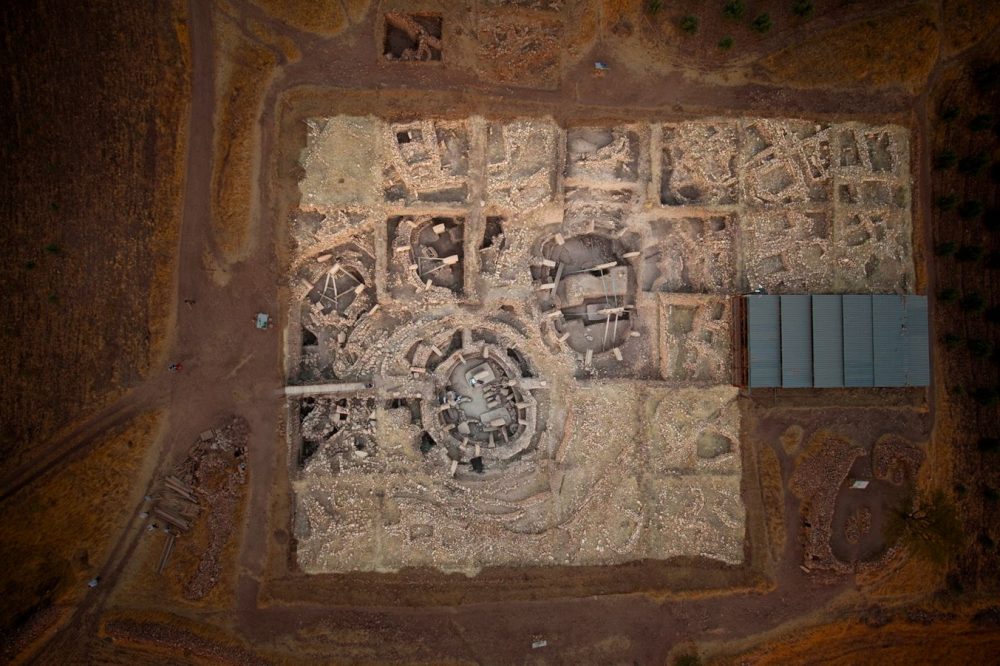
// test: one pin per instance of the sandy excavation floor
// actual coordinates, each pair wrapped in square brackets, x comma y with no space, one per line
[512,341]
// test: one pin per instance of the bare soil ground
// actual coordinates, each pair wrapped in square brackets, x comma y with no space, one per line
[83,99]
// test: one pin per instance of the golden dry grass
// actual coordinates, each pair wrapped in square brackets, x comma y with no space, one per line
[244,69]
[59,532]
[897,49]
[322,17]
[913,576]
[773,493]
[851,643]
[966,22]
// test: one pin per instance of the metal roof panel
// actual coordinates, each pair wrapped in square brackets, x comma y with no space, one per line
[828,340]
[888,343]
[763,340]
[796,341]
[918,370]
[858,363]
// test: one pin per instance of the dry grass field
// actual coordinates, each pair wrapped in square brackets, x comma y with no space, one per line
[94,136]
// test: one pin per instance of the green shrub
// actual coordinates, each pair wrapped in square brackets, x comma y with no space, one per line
[968,210]
[946,201]
[930,529]
[726,43]
[993,315]
[950,340]
[969,253]
[53,248]
[30,264]
[689,24]
[979,348]
[992,219]
[980,122]
[654,7]
[949,114]
[986,541]
[973,165]
[985,396]
[802,8]
[948,295]
[734,9]
[990,494]
[762,23]
[945,249]
[946,159]
[988,444]
[986,76]
[972,302]
[687,660]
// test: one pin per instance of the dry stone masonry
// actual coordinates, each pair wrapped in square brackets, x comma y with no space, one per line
[509,342]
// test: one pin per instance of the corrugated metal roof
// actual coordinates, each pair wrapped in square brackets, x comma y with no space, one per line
[859,368]
[888,343]
[764,340]
[918,366]
[828,340]
[796,342]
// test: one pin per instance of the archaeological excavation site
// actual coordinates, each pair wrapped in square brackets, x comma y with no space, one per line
[511,343]
[502,332]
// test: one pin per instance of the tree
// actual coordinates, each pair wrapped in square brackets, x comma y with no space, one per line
[968,210]
[985,396]
[986,76]
[993,315]
[654,7]
[979,348]
[930,529]
[945,249]
[726,43]
[972,302]
[948,295]
[946,159]
[949,114]
[992,260]
[802,8]
[689,24]
[973,165]
[762,23]
[946,201]
[980,122]
[950,340]
[992,219]
[969,253]
[733,9]
[988,444]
